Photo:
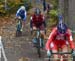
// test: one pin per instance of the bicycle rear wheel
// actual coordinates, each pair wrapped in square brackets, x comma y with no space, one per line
[19,27]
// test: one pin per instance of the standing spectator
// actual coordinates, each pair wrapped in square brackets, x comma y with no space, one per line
[49,7]
[44,5]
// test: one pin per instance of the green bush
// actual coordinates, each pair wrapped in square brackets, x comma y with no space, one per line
[53,17]
[2,9]
[12,7]
[53,13]
[55,4]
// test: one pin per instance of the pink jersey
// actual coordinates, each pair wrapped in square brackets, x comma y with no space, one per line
[60,39]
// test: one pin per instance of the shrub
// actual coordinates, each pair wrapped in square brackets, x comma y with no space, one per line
[53,17]
[12,6]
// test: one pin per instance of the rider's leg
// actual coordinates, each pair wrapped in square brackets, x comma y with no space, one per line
[54,50]
[23,25]
[34,35]
[65,49]
[42,39]
[42,35]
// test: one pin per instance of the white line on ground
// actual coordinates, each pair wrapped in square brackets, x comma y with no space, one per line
[2,50]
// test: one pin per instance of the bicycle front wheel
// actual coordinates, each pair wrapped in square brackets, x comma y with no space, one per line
[39,52]
[73,58]
[38,48]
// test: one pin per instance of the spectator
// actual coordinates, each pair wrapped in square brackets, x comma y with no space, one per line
[44,5]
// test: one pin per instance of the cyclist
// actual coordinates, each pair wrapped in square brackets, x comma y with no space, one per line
[60,37]
[38,21]
[21,13]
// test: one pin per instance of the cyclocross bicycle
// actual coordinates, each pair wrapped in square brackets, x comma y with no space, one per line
[19,27]
[39,42]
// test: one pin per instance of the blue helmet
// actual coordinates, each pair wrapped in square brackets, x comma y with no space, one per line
[60,17]
[61,27]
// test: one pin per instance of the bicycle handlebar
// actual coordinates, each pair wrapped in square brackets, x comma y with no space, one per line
[62,53]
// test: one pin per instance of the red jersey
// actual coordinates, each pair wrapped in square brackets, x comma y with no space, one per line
[37,20]
[60,39]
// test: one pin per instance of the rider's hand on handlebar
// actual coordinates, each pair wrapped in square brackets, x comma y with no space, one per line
[48,53]
[73,52]
[18,18]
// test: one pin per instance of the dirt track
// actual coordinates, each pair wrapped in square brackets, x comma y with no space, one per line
[18,48]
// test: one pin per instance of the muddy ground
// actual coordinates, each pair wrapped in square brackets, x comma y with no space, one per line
[19,48]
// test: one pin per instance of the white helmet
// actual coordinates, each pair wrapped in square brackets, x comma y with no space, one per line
[19,18]
[22,7]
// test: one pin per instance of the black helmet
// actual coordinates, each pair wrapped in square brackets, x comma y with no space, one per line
[37,11]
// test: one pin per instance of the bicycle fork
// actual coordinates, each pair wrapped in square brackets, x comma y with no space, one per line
[61,58]
[40,42]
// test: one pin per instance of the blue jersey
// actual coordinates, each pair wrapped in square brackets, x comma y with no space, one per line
[21,13]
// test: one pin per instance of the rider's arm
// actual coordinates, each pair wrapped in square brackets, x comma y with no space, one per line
[50,39]
[31,22]
[44,21]
[17,13]
[70,39]
[25,15]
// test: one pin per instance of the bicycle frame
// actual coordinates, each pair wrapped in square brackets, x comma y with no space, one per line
[38,42]
[19,26]
[38,36]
